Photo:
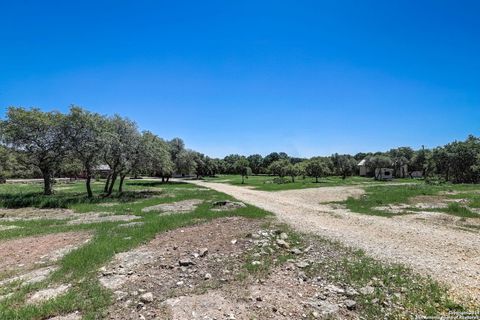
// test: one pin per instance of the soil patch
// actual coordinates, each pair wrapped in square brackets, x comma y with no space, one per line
[47,294]
[70,316]
[175,207]
[25,253]
[98,217]
[5,228]
[34,276]
[35,214]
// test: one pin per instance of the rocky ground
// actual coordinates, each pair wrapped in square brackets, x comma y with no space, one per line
[231,268]
[447,253]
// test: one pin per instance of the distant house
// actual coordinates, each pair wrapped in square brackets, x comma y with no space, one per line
[102,171]
[383,174]
[363,169]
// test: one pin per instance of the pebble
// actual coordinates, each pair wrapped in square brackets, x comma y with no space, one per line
[350,304]
[282,244]
[185,262]
[146,297]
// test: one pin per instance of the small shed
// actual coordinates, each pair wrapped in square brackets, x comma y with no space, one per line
[363,169]
[102,171]
[383,174]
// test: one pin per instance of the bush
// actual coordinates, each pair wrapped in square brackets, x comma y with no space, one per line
[279,180]
[435,180]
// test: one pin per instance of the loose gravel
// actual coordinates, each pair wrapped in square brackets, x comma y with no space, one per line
[447,253]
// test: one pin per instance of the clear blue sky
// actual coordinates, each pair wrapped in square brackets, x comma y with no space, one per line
[304,77]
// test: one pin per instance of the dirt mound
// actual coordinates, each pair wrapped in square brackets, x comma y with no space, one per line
[175,207]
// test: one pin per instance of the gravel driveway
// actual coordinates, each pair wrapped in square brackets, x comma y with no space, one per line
[448,254]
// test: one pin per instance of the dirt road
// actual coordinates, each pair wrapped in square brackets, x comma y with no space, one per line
[448,254]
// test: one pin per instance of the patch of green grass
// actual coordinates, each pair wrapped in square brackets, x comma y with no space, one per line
[266,183]
[379,196]
[456,209]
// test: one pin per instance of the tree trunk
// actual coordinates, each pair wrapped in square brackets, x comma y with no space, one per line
[120,187]
[293,178]
[107,184]
[243,179]
[89,187]
[112,182]
[47,182]
[316,179]
[168,178]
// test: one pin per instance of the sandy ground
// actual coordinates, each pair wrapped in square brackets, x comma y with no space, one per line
[448,254]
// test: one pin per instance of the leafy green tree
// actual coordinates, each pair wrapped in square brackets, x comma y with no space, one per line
[86,140]
[463,160]
[122,140]
[344,165]
[292,171]
[300,167]
[185,162]
[242,168]
[317,167]
[279,167]
[40,135]
[256,162]
[156,156]
[419,161]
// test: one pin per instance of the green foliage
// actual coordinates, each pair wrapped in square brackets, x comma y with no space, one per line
[317,167]
[40,135]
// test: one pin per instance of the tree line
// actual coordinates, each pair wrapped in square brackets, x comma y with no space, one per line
[457,162]
[34,143]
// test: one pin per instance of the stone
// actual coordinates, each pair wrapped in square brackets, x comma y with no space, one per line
[302,264]
[351,292]
[256,263]
[207,276]
[146,297]
[283,236]
[185,262]
[282,244]
[203,252]
[367,290]
[350,304]
[296,251]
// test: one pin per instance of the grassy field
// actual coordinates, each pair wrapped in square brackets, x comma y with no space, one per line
[267,183]
[381,196]
[80,267]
